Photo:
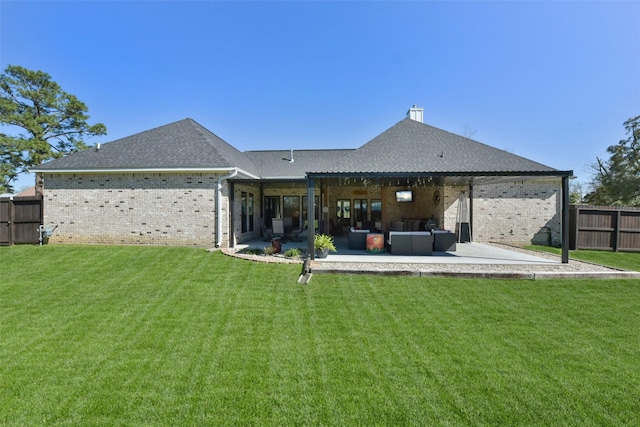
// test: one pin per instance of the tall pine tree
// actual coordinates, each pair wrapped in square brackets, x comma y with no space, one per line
[46,123]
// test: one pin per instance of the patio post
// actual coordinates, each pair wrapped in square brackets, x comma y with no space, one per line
[311,218]
[471,212]
[564,223]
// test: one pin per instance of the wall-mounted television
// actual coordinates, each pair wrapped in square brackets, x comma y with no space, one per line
[404,196]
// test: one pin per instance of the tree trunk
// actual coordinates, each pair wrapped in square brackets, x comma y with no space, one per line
[39,185]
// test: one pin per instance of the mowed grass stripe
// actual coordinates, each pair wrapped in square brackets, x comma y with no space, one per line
[150,336]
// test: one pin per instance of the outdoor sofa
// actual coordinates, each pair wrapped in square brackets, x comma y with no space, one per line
[410,242]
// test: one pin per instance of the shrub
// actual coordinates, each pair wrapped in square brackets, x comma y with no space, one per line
[324,241]
[292,253]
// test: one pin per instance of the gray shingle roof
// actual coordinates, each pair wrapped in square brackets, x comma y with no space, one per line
[275,164]
[184,144]
[413,147]
[408,147]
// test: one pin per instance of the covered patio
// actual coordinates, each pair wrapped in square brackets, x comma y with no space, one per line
[414,177]
[469,181]
[413,157]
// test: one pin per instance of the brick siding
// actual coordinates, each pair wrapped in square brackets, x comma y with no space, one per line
[149,209]
[179,209]
[519,212]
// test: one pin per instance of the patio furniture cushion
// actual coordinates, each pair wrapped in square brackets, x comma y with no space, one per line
[369,225]
[421,243]
[278,227]
[400,243]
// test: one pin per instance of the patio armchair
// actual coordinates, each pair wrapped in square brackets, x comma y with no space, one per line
[358,239]
[430,225]
[397,226]
[369,225]
[278,227]
[290,231]
[444,241]
[267,233]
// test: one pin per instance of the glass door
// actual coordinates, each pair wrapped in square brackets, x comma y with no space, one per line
[292,210]
[271,209]
[360,211]
[316,210]
[344,212]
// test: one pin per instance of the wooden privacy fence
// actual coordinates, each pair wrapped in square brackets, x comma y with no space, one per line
[20,219]
[611,228]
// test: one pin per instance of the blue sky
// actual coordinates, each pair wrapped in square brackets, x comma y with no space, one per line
[551,81]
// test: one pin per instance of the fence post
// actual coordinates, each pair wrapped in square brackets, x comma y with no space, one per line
[616,241]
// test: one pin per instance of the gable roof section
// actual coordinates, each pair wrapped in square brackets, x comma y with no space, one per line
[408,148]
[275,164]
[414,147]
[184,145]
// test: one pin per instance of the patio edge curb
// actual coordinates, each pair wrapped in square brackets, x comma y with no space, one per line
[485,274]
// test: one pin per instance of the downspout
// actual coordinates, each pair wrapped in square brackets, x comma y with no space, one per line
[219,205]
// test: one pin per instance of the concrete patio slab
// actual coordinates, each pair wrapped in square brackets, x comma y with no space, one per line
[470,260]
[466,253]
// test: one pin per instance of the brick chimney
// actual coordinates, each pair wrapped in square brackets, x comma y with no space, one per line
[416,114]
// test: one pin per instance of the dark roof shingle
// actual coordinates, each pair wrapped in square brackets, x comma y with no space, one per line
[184,144]
[275,164]
[409,147]
[413,147]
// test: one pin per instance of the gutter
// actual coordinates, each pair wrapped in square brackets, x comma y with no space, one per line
[139,170]
[219,205]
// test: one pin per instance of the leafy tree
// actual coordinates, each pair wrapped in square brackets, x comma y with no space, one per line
[575,193]
[10,163]
[616,181]
[48,123]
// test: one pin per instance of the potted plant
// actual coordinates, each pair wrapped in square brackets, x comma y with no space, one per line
[323,243]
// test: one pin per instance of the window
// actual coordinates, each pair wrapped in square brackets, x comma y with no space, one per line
[344,212]
[250,211]
[292,210]
[246,212]
[376,210]
[243,212]
[271,209]
[360,210]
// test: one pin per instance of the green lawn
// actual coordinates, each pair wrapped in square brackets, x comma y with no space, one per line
[98,335]
[622,260]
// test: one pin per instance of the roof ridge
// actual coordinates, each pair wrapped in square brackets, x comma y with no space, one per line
[221,147]
[199,129]
[475,140]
